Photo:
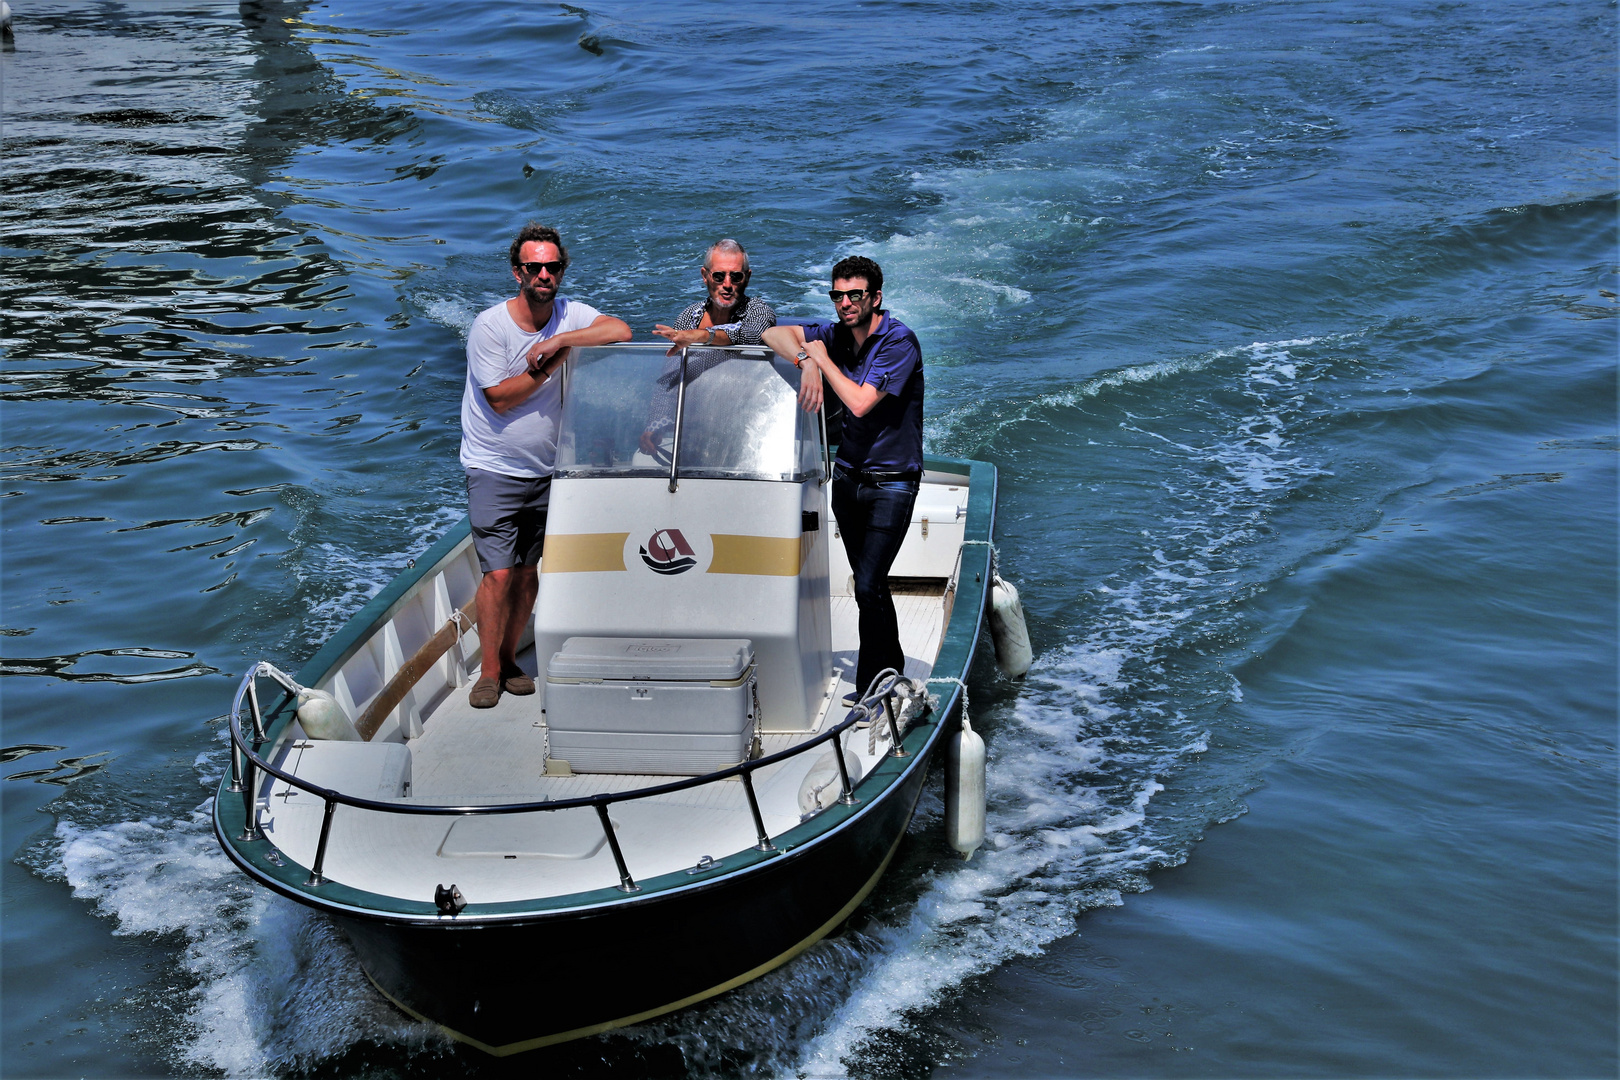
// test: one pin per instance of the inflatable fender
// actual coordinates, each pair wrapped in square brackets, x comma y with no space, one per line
[322,717]
[1008,630]
[964,790]
[821,787]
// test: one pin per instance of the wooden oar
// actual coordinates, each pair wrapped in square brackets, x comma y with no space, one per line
[411,671]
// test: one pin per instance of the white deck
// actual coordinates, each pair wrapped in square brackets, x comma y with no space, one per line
[486,756]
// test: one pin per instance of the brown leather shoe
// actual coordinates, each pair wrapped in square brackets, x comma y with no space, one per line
[517,683]
[485,693]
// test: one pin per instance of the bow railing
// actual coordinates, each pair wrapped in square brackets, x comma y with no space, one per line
[247,764]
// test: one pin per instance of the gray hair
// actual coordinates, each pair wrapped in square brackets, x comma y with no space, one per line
[730,247]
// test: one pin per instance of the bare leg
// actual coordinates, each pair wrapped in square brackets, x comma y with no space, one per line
[524,588]
[505,602]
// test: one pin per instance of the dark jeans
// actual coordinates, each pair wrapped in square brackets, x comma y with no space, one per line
[873,519]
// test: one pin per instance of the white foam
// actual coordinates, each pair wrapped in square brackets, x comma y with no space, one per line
[969,921]
[1051,839]
[343,577]
[1099,705]
[275,985]
[456,312]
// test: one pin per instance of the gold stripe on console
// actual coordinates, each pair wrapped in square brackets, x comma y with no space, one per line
[766,556]
[577,553]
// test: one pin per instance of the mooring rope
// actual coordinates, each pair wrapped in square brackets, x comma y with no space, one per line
[966,726]
[458,672]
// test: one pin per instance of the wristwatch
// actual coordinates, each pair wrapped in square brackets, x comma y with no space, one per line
[711,337]
[798,361]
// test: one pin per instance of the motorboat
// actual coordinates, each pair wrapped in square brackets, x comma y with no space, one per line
[686,802]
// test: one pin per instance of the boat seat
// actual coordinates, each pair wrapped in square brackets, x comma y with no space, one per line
[369,770]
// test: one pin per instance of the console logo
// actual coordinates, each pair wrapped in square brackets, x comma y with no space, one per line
[667,552]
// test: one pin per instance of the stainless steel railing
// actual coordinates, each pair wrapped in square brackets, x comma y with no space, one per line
[247,764]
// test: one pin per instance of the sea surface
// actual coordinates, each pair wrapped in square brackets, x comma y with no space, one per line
[1290,326]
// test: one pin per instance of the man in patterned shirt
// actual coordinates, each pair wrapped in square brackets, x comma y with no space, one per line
[727,316]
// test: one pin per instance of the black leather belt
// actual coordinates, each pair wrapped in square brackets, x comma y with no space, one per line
[878,476]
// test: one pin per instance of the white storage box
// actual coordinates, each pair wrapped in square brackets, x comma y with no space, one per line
[666,706]
[938,526]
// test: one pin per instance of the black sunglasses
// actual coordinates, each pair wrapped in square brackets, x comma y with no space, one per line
[855,295]
[555,269]
[737,276]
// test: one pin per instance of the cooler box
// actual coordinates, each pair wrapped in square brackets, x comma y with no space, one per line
[667,706]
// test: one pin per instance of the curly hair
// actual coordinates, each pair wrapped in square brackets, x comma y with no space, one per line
[534,232]
[859,266]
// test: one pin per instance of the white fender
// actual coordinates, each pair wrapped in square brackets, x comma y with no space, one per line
[964,790]
[1007,629]
[322,717]
[822,787]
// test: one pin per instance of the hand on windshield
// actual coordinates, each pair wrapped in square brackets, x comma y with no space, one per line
[678,338]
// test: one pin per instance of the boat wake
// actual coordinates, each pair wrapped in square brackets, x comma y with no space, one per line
[1081,753]
[1079,756]
[270,987]
[336,577]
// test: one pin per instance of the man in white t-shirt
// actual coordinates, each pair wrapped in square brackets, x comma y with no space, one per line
[509,414]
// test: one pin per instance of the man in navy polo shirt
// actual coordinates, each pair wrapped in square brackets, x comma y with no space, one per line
[872,362]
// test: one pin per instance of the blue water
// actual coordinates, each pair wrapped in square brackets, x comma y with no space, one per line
[1290,327]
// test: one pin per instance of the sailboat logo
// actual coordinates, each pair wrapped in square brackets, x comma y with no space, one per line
[667,552]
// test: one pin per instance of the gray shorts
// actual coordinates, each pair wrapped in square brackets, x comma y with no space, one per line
[508,516]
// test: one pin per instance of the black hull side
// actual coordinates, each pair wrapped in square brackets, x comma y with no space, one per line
[517,985]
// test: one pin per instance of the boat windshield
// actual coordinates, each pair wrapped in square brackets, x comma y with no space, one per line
[627,411]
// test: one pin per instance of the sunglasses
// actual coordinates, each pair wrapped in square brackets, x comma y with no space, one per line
[737,276]
[555,269]
[855,296]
